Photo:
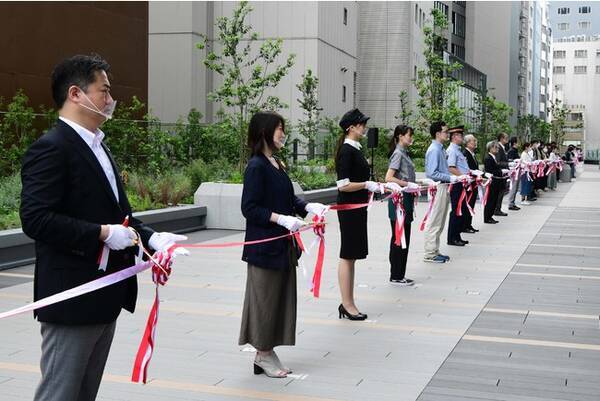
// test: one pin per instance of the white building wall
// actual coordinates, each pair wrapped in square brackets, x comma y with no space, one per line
[581,89]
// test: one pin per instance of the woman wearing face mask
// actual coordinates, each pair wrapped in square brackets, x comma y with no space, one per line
[526,183]
[270,208]
[401,171]
[353,187]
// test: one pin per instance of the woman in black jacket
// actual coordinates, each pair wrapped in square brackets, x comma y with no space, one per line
[270,208]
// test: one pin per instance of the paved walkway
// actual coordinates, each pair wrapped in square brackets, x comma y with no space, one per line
[408,347]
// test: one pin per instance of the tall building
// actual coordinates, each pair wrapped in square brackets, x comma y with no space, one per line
[576,72]
[322,35]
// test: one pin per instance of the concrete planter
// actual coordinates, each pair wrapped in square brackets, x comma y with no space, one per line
[17,249]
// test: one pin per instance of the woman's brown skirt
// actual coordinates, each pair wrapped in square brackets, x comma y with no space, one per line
[269,315]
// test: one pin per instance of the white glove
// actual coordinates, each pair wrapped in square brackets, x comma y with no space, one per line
[488,175]
[512,164]
[505,171]
[373,186]
[453,178]
[413,185]
[477,173]
[464,177]
[290,222]
[392,186]
[163,241]
[428,181]
[316,208]
[119,237]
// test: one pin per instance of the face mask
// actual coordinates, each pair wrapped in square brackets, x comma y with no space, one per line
[108,111]
[282,141]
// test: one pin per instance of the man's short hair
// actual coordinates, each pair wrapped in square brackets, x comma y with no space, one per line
[79,70]
[435,128]
[490,145]
[502,135]
[513,140]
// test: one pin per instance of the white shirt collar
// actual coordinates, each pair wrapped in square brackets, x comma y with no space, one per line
[88,136]
[491,154]
[353,143]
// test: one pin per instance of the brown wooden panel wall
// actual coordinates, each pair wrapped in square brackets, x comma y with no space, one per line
[34,36]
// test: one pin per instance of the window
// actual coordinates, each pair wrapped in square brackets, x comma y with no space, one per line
[560,53]
[585,10]
[580,53]
[597,52]
[416,13]
[563,10]
[563,26]
[354,86]
[598,69]
[584,24]
[343,93]
[415,72]
[441,6]
[458,24]
[558,87]
[345,16]
[559,69]
[458,50]
[580,69]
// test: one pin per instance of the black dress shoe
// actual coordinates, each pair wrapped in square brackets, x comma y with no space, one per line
[491,221]
[457,242]
[501,214]
[344,313]
[514,208]
[469,231]
[465,241]
[474,229]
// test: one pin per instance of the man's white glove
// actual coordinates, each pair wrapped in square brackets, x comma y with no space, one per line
[488,175]
[163,241]
[290,222]
[119,237]
[373,186]
[428,181]
[453,178]
[392,186]
[505,171]
[512,164]
[477,173]
[413,185]
[316,208]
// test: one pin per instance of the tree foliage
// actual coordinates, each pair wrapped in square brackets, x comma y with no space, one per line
[247,72]
[309,103]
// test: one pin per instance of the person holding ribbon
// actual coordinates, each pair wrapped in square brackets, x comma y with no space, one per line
[552,175]
[353,188]
[436,169]
[513,155]
[526,181]
[270,208]
[74,206]
[401,171]
[498,181]
[502,161]
[470,152]
[458,166]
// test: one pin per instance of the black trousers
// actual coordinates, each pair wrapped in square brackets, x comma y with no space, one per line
[490,207]
[399,255]
[455,223]
[501,193]
[467,218]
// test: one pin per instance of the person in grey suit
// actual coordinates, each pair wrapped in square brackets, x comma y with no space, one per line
[73,205]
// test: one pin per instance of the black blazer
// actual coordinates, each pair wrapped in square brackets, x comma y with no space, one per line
[266,190]
[492,167]
[501,157]
[471,160]
[513,154]
[65,198]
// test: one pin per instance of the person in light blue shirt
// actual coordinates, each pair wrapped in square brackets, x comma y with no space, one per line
[457,165]
[436,169]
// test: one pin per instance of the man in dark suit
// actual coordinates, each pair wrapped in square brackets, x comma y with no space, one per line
[470,152]
[73,205]
[502,161]
[493,168]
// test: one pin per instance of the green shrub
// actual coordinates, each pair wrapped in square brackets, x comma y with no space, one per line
[10,200]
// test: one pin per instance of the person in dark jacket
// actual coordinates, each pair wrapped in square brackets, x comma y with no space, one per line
[470,152]
[492,167]
[502,161]
[73,205]
[270,208]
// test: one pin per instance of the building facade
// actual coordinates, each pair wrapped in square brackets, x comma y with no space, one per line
[576,70]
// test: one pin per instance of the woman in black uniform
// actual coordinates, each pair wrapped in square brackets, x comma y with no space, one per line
[353,187]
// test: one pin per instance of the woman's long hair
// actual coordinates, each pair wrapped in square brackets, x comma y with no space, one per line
[340,142]
[399,131]
[261,130]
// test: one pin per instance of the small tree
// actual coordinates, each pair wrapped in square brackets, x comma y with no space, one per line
[437,89]
[406,115]
[246,76]
[17,132]
[309,103]
[531,127]
[559,120]
[493,117]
